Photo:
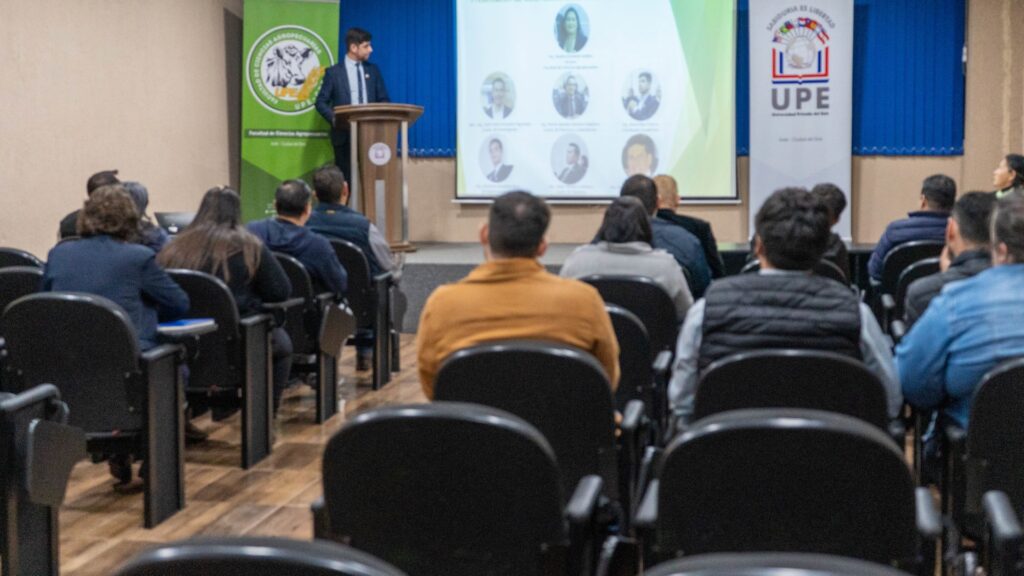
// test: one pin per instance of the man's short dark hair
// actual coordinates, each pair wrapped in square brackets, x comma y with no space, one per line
[642,188]
[100,179]
[1008,226]
[498,142]
[517,223]
[575,147]
[328,181]
[292,197]
[832,197]
[794,229]
[497,81]
[646,75]
[939,192]
[356,36]
[973,215]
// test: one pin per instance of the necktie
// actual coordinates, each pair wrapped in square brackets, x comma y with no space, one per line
[359,81]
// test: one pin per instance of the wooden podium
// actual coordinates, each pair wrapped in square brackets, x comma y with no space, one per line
[378,183]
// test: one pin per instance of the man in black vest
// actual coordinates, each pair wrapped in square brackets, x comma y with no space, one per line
[333,218]
[783,306]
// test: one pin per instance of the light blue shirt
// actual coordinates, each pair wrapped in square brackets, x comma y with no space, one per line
[355,79]
[874,349]
[969,328]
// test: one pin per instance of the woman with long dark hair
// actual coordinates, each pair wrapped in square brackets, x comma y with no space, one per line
[570,31]
[1009,175]
[622,247]
[217,243]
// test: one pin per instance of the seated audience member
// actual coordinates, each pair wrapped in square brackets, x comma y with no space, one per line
[1009,175]
[150,235]
[217,243]
[782,306]
[333,218]
[970,327]
[668,203]
[929,223]
[623,247]
[967,251]
[835,201]
[512,296]
[286,234]
[68,225]
[675,240]
[107,262]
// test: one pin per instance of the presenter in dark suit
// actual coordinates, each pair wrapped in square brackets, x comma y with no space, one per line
[569,102]
[646,103]
[575,165]
[352,81]
[499,170]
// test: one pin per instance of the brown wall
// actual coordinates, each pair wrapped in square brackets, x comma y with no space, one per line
[151,87]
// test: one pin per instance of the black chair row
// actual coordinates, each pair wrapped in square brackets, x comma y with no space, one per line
[37,451]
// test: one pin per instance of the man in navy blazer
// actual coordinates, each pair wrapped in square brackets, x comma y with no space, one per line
[352,81]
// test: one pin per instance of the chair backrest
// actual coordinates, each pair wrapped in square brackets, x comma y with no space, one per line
[811,379]
[635,382]
[14,257]
[561,390]
[360,295]
[18,281]
[301,321]
[995,443]
[87,347]
[897,260]
[218,362]
[645,298]
[771,564]
[824,268]
[254,557]
[919,269]
[786,481]
[445,489]
[174,222]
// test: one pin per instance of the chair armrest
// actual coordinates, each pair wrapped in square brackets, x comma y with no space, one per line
[582,507]
[662,364]
[647,512]
[888,302]
[1003,535]
[929,521]
[898,432]
[256,319]
[897,329]
[321,523]
[632,417]
[385,277]
[325,298]
[582,513]
[156,354]
[279,310]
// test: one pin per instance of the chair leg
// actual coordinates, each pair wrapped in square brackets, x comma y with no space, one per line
[257,391]
[396,361]
[165,443]
[327,387]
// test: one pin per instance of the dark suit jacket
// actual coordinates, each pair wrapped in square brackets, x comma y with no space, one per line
[578,103]
[573,175]
[921,291]
[650,106]
[503,173]
[335,92]
[702,230]
[490,111]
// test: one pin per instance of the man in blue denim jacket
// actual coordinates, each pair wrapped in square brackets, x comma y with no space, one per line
[972,326]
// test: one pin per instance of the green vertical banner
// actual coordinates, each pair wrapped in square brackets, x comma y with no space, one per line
[288,45]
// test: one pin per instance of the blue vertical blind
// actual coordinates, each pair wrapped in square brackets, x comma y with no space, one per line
[908,78]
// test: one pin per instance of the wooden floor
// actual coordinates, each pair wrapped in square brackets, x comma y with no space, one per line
[101,527]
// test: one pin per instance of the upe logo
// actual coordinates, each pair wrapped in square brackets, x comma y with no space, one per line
[285,68]
[800,56]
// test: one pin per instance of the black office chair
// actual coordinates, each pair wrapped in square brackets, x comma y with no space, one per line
[15,282]
[645,298]
[896,261]
[789,481]
[565,393]
[14,257]
[989,455]
[894,305]
[455,489]
[254,557]
[37,452]
[771,564]
[640,379]
[304,324]
[1003,543]
[126,401]
[232,367]
[809,379]
[370,300]
[824,268]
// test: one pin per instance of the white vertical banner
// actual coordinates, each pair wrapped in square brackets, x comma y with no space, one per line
[801,97]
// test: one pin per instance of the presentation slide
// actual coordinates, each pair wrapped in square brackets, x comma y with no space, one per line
[566,100]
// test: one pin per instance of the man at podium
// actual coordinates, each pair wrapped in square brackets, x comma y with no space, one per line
[352,81]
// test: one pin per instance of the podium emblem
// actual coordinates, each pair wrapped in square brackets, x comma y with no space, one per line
[285,67]
[379,153]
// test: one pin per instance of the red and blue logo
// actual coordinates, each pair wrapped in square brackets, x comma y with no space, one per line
[801,54]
